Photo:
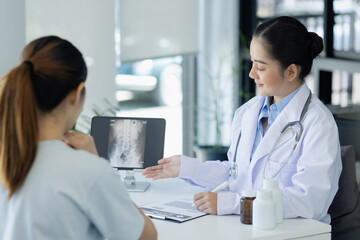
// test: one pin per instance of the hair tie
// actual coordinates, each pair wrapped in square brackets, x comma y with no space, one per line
[30,65]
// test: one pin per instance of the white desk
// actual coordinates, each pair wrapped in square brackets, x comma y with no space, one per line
[220,227]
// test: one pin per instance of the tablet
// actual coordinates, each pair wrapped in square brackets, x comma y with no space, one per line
[127,142]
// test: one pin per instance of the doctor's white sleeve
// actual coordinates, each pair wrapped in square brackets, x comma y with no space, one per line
[209,174]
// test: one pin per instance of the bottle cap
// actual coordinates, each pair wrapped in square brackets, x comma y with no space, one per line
[264,194]
[270,183]
[248,193]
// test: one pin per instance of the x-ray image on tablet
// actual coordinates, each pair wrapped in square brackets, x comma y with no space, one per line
[129,142]
[126,144]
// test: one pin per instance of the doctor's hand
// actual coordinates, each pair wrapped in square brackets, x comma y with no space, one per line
[167,168]
[80,141]
[206,202]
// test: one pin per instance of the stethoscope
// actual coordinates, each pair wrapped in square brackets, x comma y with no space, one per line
[233,170]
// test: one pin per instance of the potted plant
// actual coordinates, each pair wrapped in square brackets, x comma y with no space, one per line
[106,109]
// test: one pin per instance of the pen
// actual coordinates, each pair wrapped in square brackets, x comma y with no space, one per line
[156,216]
[221,187]
[218,188]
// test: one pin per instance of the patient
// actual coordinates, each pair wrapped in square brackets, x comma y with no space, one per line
[53,184]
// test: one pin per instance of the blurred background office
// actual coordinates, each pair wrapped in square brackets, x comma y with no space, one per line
[188,60]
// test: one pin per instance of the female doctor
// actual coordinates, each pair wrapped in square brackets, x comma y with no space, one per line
[285,133]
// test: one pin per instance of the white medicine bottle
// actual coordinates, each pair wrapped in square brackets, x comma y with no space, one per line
[264,214]
[273,185]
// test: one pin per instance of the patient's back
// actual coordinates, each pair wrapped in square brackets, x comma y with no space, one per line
[69,194]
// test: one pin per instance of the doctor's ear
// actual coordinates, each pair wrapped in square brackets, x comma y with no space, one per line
[292,72]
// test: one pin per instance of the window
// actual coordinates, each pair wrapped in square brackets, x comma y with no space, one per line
[153,88]
[347,27]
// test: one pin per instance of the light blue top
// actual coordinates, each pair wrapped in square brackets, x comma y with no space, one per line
[271,112]
[69,194]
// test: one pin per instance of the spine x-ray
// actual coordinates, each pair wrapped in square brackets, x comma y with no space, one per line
[126,146]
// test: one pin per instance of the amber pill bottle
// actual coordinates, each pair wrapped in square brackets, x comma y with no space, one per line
[246,206]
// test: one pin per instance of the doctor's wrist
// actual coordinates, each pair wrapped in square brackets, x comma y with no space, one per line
[228,203]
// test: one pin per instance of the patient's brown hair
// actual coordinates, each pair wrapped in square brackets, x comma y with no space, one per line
[50,68]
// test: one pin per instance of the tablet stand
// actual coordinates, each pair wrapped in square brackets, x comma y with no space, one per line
[131,185]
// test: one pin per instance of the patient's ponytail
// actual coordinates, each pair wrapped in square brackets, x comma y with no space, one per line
[51,68]
[18,127]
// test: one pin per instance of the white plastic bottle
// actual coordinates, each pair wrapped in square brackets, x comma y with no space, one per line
[264,215]
[273,185]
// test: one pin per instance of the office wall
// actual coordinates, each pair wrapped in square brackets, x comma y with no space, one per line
[90,26]
[12,29]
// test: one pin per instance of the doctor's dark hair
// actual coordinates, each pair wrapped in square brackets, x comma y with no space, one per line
[289,42]
[50,69]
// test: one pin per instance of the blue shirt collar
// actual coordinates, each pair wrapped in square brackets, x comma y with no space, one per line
[271,112]
[279,106]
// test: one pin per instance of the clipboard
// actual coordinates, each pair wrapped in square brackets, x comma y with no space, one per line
[177,209]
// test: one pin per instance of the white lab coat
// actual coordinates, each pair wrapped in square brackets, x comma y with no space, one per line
[309,181]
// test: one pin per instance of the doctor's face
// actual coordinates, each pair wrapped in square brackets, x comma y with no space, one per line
[266,72]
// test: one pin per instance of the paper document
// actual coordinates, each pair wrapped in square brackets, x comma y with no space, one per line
[178,209]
